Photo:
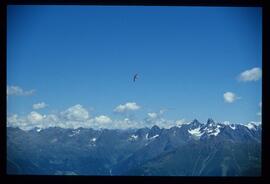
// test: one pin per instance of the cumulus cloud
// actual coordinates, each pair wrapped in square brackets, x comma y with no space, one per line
[73,117]
[124,124]
[52,119]
[156,118]
[164,123]
[63,120]
[13,119]
[18,91]
[253,74]
[181,122]
[16,121]
[75,113]
[32,120]
[39,105]
[129,106]
[152,118]
[230,97]
[156,115]
[103,119]
[102,122]
[35,117]
[152,115]
[77,116]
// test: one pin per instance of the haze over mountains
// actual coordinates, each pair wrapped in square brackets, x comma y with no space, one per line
[193,149]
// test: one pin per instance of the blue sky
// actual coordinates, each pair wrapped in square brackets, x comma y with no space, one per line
[186,58]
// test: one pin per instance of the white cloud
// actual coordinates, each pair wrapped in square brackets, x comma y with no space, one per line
[181,122]
[18,91]
[156,115]
[12,119]
[76,116]
[165,123]
[16,121]
[253,74]
[129,106]
[115,124]
[75,113]
[230,97]
[128,123]
[73,117]
[156,118]
[35,117]
[39,105]
[52,119]
[103,119]
[32,120]
[152,115]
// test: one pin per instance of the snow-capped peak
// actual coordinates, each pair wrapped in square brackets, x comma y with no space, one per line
[212,128]
[210,122]
[251,126]
[155,127]
[195,122]
[226,122]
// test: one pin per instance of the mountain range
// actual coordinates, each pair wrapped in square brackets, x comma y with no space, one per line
[192,149]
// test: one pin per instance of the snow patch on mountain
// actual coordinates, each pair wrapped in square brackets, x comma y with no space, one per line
[196,132]
[133,137]
[215,132]
[232,126]
[94,139]
[74,132]
[155,136]
[213,129]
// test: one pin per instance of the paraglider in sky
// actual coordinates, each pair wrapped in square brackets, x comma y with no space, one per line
[135,77]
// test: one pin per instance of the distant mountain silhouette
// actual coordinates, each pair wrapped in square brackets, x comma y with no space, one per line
[194,149]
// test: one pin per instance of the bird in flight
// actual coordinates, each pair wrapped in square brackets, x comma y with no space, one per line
[135,77]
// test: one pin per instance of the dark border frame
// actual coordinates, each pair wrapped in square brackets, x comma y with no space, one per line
[128,179]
